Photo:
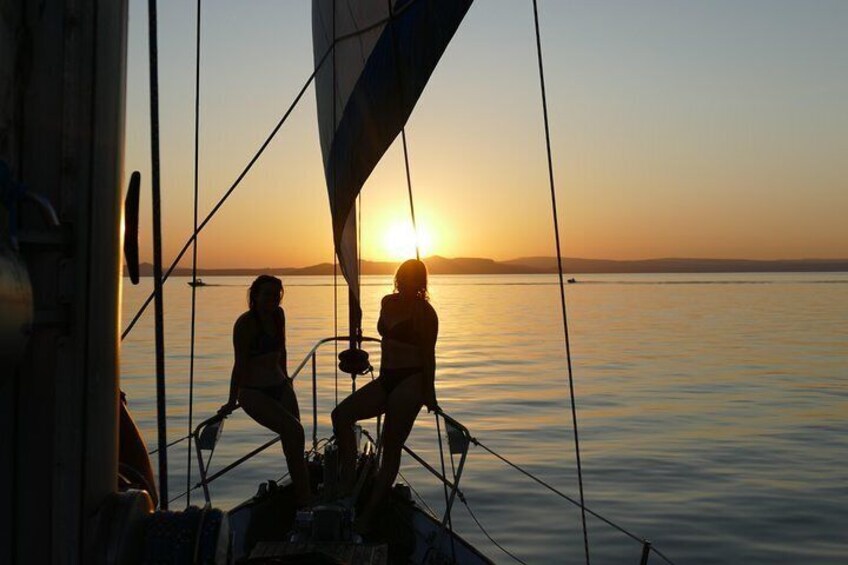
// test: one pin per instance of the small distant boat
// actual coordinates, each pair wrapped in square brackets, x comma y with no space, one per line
[197,282]
[570,281]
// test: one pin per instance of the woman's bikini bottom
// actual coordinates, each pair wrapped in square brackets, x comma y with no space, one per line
[389,379]
[275,392]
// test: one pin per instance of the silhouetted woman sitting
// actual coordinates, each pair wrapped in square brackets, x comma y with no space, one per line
[260,380]
[409,327]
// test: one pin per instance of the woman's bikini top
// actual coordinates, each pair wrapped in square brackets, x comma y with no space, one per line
[265,343]
[403,332]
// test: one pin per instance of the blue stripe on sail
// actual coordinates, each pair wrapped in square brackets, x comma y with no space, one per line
[381,101]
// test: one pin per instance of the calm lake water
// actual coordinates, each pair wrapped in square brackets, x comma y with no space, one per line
[712,409]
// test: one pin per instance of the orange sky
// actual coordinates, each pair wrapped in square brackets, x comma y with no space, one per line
[702,131]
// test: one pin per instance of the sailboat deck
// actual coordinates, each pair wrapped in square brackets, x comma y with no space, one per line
[342,552]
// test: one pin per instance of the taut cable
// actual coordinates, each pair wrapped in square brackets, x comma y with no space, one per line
[194,253]
[561,282]
[157,257]
[227,194]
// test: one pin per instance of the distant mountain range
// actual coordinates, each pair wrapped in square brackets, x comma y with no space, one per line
[536,265]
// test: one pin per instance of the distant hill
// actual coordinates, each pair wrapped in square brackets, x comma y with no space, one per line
[533,265]
[474,266]
[678,265]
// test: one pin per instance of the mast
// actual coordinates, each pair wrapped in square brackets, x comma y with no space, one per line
[62,92]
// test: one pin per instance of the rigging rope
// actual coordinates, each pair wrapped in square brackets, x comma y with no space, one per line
[210,215]
[418,496]
[229,191]
[335,245]
[561,282]
[194,253]
[157,256]
[409,190]
[444,484]
[564,496]
[173,443]
[482,529]
[398,70]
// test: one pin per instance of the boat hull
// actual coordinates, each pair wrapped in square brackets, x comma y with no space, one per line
[262,533]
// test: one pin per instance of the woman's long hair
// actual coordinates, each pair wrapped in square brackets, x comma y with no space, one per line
[253,294]
[411,279]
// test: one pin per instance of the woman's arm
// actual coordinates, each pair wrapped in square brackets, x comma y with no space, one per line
[381,323]
[429,329]
[241,352]
[283,354]
[428,326]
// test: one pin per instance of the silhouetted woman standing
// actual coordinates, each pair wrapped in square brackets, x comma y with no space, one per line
[409,326]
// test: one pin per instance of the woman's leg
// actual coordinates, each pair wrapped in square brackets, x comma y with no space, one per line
[281,416]
[402,409]
[365,403]
[295,458]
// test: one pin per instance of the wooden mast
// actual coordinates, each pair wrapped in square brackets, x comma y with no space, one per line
[62,93]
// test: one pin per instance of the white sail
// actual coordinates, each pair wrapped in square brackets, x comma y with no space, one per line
[374,58]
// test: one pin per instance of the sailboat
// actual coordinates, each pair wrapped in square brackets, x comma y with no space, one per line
[372,62]
[72,491]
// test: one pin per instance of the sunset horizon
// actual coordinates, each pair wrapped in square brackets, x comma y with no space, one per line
[424,281]
[722,137]
[547,264]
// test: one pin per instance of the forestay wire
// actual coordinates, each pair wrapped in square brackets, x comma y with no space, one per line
[561,282]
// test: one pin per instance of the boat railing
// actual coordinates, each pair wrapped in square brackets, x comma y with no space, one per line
[207,434]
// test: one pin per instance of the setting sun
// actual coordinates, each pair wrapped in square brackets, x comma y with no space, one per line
[399,241]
